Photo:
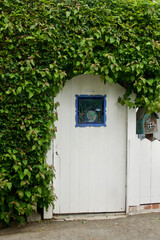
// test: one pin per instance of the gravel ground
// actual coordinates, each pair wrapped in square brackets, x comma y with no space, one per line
[136,227]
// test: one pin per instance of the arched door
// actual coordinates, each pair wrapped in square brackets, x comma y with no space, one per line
[90,160]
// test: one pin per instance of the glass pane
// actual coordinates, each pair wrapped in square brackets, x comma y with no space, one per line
[91,110]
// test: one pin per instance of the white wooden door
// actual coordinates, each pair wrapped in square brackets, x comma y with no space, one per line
[90,162]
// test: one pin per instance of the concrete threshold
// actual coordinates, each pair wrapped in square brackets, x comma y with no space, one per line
[88,216]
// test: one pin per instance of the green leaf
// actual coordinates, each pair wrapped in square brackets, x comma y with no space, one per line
[138,48]
[14,157]
[28,135]
[21,175]
[82,43]
[27,172]
[32,26]
[139,88]
[9,185]
[16,167]
[39,190]
[34,147]
[106,38]
[147,101]
[47,106]
[19,90]
[56,75]
[20,194]
[28,194]
[75,11]
[43,73]
[39,83]
[109,79]
[8,91]
[25,162]
[12,75]
[97,34]
[106,71]
[68,14]
[31,94]
[112,40]
[138,70]
[51,66]
[141,65]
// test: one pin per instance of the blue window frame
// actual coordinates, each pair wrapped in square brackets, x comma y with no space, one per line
[90,110]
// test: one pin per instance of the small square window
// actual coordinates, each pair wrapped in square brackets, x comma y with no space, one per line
[90,110]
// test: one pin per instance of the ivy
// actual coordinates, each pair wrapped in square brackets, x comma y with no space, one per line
[45,43]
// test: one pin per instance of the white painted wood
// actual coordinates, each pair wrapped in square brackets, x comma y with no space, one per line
[62,167]
[155,172]
[90,162]
[131,123]
[134,172]
[144,172]
[145,168]
[48,214]
[131,133]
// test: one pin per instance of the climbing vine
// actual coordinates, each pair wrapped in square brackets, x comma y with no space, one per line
[45,43]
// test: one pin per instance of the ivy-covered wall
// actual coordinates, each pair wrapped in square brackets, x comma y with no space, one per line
[44,43]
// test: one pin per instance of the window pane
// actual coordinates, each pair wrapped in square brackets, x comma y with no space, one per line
[91,110]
